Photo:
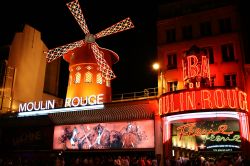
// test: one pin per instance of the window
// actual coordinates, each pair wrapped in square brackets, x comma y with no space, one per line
[88,77]
[210,53]
[77,78]
[172,61]
[170,35]
[227,51]
[225,25]
[172,86]
[187,32]
[212,81]
[230,80]
[205,28]
[99,78]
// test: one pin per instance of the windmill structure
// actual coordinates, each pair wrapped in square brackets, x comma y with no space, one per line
[90,70]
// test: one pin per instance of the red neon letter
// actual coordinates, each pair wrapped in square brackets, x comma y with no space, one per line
[231,98]
[190,100]
[218,92]
[205,97]
[243,100]
[193,70]
[166,105]
[197,84]
[172,104]
[191,85]
[181,102]
[205,72]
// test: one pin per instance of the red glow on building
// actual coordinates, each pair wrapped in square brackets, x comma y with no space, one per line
[196,71]
[203,99]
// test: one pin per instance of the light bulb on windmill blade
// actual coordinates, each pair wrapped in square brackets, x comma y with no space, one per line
[89,65]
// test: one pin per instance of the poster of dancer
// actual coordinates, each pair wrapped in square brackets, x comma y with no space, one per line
[113,135]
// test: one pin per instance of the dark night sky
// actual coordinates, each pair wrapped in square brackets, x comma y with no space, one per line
[136,47]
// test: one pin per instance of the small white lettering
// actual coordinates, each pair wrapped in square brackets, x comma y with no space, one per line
[35,106]
[69,102]
[83,101]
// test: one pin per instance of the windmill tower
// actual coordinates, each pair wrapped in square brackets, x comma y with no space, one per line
[89,65]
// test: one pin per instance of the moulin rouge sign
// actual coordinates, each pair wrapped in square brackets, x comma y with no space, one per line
[203,99]
[69,102]
[198,95]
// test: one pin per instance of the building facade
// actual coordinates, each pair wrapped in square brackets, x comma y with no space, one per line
[202,77]
[201,107]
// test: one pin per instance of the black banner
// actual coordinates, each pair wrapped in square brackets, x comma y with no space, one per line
[28,138]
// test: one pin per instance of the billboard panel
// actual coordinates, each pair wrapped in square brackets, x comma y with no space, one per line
[113,135]
[207,135]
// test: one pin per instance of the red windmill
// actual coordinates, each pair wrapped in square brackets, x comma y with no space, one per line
[89,64]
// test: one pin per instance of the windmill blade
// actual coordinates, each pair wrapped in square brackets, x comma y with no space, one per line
[55,53]
[107,73]
[75,9]
[118,27]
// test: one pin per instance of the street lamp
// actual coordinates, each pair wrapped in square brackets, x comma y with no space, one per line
[156,66]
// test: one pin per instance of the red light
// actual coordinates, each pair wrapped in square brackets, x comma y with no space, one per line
[203,99]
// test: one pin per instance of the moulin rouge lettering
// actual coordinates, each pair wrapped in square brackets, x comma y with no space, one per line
[83,101]
[203,99]
[35,106]
[190,129]
[69,102]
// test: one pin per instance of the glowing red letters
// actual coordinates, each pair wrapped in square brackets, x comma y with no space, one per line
[203,99]
[190,129]
[194,67]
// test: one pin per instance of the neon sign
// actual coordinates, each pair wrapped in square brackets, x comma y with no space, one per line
[83,101]
[203,99]
[195,65]
[35,106]
[191,130]
[218,138]
[223,146]
[50,104]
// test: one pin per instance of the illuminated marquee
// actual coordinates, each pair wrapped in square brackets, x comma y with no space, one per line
[203,99]
[209,135]
[191,130]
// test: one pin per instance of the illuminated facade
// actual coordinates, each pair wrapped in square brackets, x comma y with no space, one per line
[202,106]
[87,121]
[204,102]
[25,54]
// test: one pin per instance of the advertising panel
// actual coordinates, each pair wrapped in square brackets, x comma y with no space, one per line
[216,136]
[113,135]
